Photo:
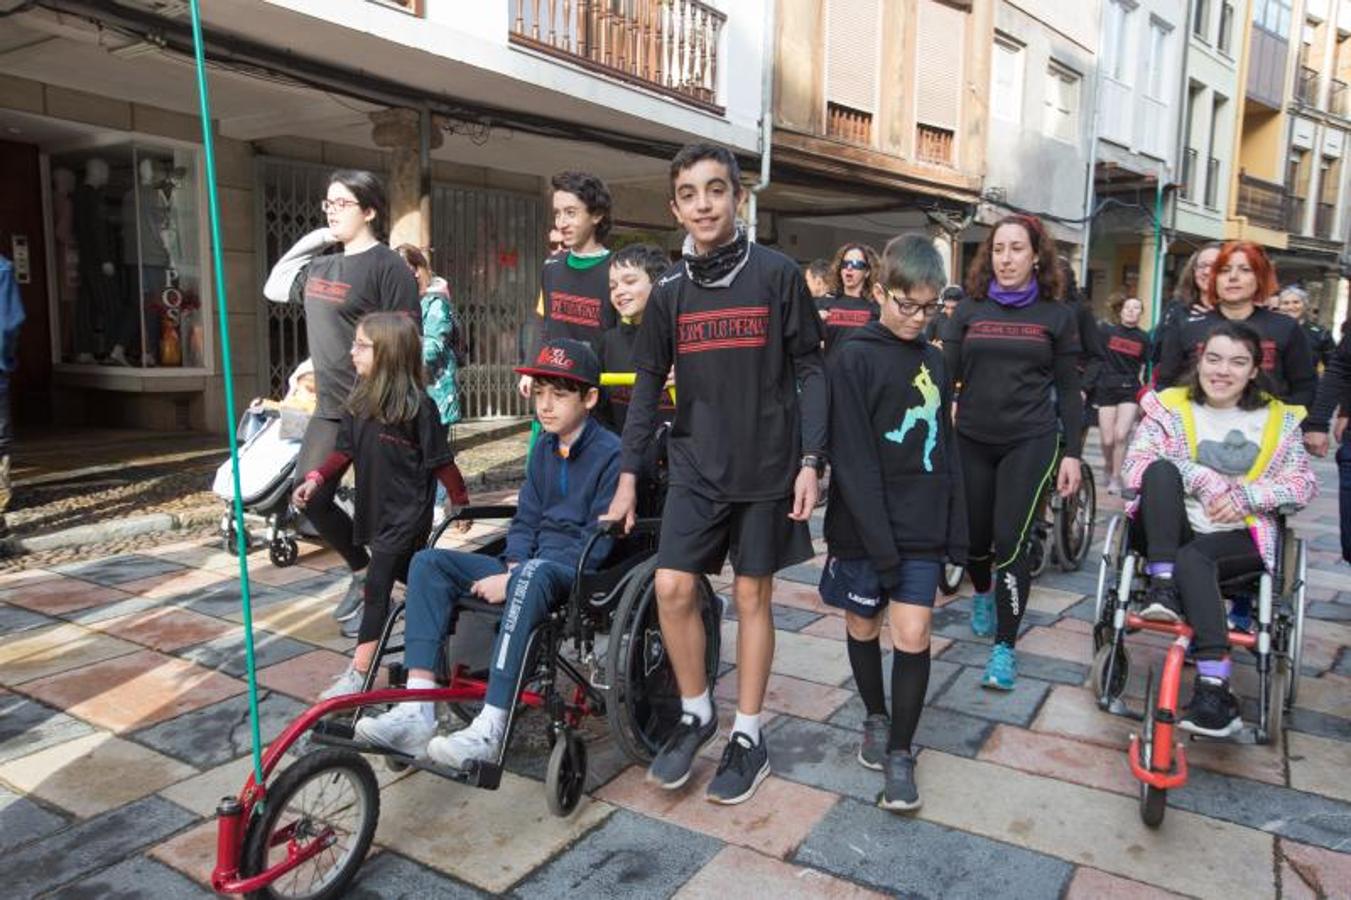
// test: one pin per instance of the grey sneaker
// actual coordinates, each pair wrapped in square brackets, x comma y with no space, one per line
[744,765]
[671,767]
[350,627]
[873,752]
[403,728]
[350,604]
[901,793]
[349,682]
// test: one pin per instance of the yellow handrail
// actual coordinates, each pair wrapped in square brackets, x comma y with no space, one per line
[628,379]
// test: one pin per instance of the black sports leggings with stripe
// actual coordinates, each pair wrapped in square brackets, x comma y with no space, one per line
[1003,485]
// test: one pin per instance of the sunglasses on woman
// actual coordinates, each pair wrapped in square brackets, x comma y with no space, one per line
[857,265]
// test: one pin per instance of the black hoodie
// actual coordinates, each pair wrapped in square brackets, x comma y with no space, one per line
[888,464]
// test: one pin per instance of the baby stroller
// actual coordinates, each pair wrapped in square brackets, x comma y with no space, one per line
[270,434]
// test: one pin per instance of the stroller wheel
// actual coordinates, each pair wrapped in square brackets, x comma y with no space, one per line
[283,552]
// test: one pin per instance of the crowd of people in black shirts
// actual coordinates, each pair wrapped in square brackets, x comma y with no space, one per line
[963,401]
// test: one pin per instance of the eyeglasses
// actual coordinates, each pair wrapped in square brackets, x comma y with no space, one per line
[361,345]
[341,204]
[858,265]
[907,307]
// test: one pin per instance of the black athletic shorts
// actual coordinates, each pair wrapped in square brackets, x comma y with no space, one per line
[1114,396]
[697,534]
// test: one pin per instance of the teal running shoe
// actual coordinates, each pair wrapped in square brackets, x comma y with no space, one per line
[982,614]
[1002,669]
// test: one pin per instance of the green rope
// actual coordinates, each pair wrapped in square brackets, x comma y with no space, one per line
[241,536]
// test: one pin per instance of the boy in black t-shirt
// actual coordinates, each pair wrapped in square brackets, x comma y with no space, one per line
[633,271]
[745,452]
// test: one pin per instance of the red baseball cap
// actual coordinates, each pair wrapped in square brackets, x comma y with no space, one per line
[564,358]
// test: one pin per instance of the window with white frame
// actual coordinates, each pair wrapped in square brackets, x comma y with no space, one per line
[1006,79]
[1201,20]
[1060,117]
[1156,78]
[1116,47]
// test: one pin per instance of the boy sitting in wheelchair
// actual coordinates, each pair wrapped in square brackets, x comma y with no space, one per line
[569,482]
[1213,463]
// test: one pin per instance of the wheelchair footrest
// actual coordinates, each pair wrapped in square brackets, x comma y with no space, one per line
[1245,735]
[337,732]
[476,774]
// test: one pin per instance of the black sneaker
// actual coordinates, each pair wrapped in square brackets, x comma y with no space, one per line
[744,765]
[1161,602]
[873,752]
[671,767]
[1213,710]
[350,604]
[901,794]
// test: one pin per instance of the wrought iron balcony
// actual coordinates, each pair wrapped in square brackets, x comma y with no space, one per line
[670,46]
[1263,202]
[1191,189]
[1306,86]
[1337,99]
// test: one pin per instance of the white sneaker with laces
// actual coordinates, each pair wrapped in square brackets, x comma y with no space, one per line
[456,750]
[349,682]
[404,728]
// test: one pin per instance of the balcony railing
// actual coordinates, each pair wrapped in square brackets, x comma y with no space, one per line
[1212,183]
[1325,219]
[933,145]
[1338,95]
[670,46]
[1294,214]
[1263,202]
[844,123]
[1191,189]
[1306,86]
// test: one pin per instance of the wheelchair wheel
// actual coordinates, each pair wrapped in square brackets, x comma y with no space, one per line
[951,578]
[644,701]
[1109,569]
[1073,531]
[327,793]
[1274,701]
[1121,670]
[1296,654]
[565,778]
[1153,801]
[283,552]
[1039,548]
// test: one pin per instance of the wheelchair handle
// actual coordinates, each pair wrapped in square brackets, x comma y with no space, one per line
[628,379]
[483,513]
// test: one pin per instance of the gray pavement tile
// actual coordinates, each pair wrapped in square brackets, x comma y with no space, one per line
[91,845]
[22,820]
[27,726]
[320,583]
[630,856]
[529,752]
[226,653]
[134,878]
[1084,581]
[1317,723]
[218,733]
[786,618]
[1047,668]
[1330,542]
[1343,664]
[115,570]
[389,876]
[939,729]
[1016,707]
[1300,816]
[14,619]
[1083,610]
[914,858]
[851,715]
[954,620]
[1329,610]
[112,610]
[803,573]
[224,600]
[821,756]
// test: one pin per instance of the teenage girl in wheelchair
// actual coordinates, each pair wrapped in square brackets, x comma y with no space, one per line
[1216,465]
[312,833]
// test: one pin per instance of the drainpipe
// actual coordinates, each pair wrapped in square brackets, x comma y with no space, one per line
[1090,194]
[1183,91]
[766,118]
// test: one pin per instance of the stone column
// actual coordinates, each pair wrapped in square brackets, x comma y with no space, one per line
[397,131]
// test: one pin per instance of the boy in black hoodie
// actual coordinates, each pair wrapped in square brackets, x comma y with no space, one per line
[893,453]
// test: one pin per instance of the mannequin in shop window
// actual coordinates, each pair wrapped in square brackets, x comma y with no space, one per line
[99,270]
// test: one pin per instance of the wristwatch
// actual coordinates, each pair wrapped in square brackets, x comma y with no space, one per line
[815,461]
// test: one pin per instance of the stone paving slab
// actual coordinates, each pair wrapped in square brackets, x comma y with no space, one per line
[628,856]
[115,570]
[798,655]
[27,726]
[391,875]
[14,619]
[60,595]
[94,844]
[135,877]
[215,734]
[771,878]
[226,653]
[821,756]
[1319,765]
[166,629]
[1093,884]
[1017,707]
[789,695]
[1308,818]
[1030,665]
[915,858]
[22,820]
[32,655]
[1326,872]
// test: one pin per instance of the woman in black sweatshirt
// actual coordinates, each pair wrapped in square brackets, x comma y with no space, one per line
[1125,349]
[1015,349]
[849,305]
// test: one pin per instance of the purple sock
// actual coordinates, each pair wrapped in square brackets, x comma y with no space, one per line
[1159,569]
[1217,669]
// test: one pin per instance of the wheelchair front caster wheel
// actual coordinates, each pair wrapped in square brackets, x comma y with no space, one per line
[565,778]
[394,764]
[283,552]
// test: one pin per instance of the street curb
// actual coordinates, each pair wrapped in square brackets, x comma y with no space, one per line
[154,523]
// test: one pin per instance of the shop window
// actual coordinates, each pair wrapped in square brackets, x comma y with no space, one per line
[128,257]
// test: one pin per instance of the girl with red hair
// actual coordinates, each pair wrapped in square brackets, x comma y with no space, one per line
[1241,281]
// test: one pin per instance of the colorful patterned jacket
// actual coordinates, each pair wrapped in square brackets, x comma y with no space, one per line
[1281,476]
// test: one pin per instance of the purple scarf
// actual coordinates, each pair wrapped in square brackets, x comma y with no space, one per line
[1013,299]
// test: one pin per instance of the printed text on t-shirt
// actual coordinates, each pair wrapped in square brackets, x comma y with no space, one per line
[577,310]
[323,289]
[1008,331]
[1125,346]
[848,318]
[722,329]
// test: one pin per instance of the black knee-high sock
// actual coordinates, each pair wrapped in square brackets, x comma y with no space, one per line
[865,658]
[909,682]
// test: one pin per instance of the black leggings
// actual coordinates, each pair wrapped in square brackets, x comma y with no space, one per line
[1200,561]
[385,568]
[1003,485]
[333,525]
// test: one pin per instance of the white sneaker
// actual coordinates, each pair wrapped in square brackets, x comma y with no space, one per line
[404,728]
[1114,486]
[349,682]
[456,750]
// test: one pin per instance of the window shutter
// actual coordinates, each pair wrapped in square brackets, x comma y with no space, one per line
[852,36]
[940,35]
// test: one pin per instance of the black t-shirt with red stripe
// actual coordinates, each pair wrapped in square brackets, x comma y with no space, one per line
[616,355]
[1286,357]
[576,300]
[1125,350]
[843,315]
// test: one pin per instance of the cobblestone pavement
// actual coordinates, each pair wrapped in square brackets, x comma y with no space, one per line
[122,722]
